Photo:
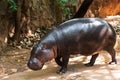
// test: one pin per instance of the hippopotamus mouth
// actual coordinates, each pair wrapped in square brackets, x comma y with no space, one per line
[35,64]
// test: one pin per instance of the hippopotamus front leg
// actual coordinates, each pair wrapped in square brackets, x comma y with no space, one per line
[63,63]
[92,60]
[58,60]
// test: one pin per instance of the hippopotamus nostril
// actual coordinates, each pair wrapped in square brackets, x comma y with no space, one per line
[35,60]
[30,62]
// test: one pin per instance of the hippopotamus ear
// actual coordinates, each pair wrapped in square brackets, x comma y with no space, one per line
[46,46]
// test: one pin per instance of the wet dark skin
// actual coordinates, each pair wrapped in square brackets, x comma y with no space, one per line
[85,36]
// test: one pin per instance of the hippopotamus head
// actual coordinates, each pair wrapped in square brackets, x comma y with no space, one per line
[40,54]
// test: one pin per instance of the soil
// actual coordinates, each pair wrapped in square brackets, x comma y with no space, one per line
[13,67]
[13,60]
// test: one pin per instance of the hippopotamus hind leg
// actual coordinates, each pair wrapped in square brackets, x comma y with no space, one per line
[92,60]
[112,53]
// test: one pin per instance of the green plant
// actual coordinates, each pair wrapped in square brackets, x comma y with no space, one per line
[66,10]
[13,5]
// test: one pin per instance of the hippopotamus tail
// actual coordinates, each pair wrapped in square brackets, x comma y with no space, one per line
[114,33]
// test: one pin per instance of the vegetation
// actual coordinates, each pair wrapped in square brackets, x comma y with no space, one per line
[13,5]
[23,17]
[66,9]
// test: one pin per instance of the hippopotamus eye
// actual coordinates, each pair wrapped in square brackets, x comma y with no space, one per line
[44,46]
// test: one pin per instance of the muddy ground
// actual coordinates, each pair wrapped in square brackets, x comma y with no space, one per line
[13,67]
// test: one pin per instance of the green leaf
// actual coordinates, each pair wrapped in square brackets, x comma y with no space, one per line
[13,5]
[12,1]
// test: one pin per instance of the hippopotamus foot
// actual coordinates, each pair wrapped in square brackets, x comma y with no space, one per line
[113,62]
[58,61]
[89,64]
[92,60]
[62,70]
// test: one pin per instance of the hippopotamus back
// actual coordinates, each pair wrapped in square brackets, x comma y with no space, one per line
[84,36]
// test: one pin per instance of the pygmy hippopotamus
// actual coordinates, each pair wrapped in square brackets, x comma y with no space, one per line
[85,36]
